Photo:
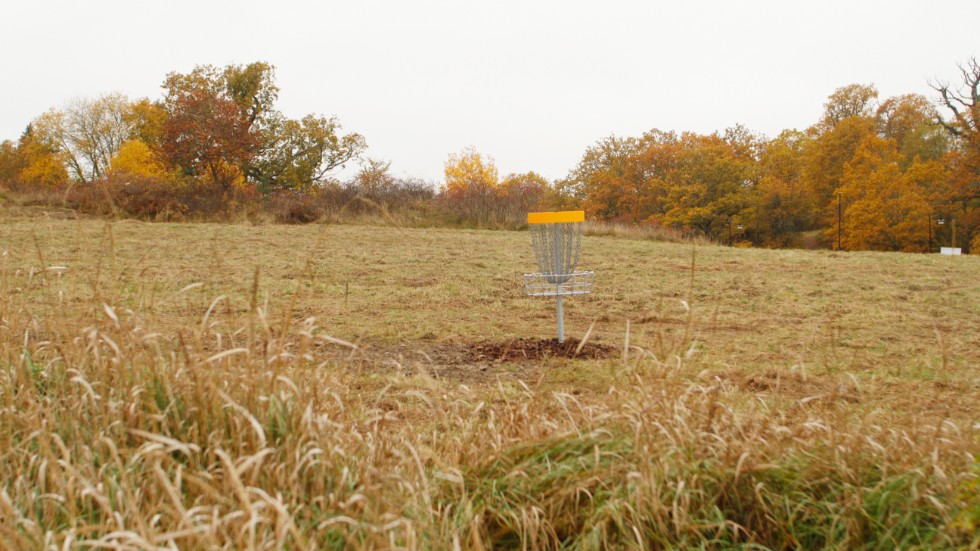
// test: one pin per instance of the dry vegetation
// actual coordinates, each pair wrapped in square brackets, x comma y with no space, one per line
[237,386]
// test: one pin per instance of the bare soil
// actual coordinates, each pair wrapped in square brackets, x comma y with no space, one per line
[523,349]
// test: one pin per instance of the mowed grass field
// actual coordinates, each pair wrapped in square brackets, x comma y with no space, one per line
[331,386]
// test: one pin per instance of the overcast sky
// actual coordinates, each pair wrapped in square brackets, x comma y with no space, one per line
[530,83]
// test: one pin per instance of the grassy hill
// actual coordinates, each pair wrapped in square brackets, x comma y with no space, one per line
[321,386]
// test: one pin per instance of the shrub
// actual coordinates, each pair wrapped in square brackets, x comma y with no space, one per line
[288,207]
[147,197]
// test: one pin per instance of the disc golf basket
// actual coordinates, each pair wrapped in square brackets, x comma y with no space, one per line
[557,239]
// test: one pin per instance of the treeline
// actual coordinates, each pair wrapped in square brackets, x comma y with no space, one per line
[901,173]
[889,175]
[212,146]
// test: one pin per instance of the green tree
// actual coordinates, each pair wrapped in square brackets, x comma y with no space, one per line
[298,154]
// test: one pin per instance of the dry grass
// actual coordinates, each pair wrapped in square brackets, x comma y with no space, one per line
[197,385]
[641,231]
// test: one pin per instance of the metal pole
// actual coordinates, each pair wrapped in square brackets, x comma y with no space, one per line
[929,226]
[558,269]
[561,320]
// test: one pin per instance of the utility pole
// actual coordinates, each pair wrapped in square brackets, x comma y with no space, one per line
[929,227]
[839,218]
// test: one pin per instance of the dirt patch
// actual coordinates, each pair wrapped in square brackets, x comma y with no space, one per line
[518,350]
[478,362]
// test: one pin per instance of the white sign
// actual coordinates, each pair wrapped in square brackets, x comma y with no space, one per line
[950,251]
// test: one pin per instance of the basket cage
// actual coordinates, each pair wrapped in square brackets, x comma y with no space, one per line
[556,249]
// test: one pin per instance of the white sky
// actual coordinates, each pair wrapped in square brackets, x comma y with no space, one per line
[530,83]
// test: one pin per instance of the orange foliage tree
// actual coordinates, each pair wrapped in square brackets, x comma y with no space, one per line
[885,209]
[522,193]
[780,206]
[206,133]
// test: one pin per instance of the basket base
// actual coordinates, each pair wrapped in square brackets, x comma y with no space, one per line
[554,285]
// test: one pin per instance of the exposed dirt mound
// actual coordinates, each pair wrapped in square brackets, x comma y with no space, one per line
[536,349]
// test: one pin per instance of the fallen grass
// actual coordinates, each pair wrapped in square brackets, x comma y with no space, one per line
[243,387]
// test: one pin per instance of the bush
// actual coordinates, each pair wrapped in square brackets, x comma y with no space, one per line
[148,197]
[290,207]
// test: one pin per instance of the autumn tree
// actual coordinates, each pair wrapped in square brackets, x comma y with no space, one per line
[610,181]
[146,120]
[780,206]
[136,158]
[695,182]
[39,159]
[709,189]
[294,154]
[11,163]
[87,133]
[962,122]
[470,189]
[911,120]
[225,122]
[522,193]
[853,100]
[206,132]
[252,87]
[884,208]
[374,180]
[824,160]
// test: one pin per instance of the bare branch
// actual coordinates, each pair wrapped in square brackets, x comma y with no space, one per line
[962,103]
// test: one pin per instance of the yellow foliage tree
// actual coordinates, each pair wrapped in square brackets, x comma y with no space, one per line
[136,158]
[41,161]
[468,171]
[471,186]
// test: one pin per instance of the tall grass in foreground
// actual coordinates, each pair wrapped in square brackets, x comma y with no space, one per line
[247,429]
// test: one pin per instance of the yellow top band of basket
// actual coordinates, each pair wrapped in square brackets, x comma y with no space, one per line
[556,217]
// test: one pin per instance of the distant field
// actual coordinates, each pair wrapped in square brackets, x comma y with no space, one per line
[197,385]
